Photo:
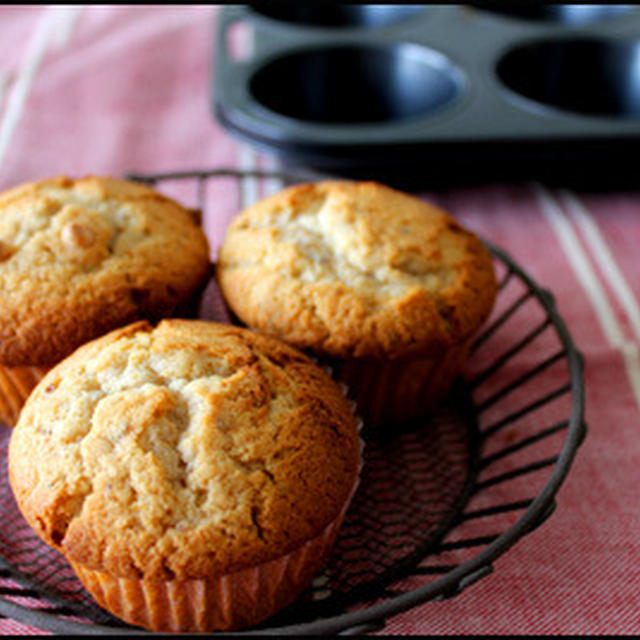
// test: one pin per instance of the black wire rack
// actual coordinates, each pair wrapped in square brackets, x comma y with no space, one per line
[439,500]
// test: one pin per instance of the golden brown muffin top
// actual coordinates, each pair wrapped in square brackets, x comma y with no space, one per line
[356,269]
[81,257]
[182,451]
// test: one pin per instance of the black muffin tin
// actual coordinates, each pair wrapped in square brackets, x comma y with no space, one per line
[442,93]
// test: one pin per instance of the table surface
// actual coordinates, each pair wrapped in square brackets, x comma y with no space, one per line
[107,90]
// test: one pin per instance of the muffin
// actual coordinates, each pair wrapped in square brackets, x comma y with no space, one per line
[79,258]
[193,474]
[386,288]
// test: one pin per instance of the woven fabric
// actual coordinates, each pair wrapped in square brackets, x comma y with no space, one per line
[115,89]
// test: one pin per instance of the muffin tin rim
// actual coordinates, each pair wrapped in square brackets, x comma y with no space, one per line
[246,11]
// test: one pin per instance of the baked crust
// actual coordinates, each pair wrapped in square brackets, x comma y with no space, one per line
[356,269]
[183,451]
[81,257]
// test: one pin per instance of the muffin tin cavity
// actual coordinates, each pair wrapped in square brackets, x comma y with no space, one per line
[590,76]
[332,14]
[441,93]
[572,15]
[357,84]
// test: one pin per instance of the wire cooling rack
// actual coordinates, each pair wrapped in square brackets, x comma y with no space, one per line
[439,500]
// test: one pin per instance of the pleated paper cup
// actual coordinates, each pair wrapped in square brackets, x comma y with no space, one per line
[16,384]
[392,392]
[230,601]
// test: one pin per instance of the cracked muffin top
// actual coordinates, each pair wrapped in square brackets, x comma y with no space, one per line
[81,257]
[182,451]
[356,269]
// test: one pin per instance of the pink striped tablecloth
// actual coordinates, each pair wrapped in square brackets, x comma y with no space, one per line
[114,89]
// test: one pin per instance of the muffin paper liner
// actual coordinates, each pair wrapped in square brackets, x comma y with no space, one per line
[16,384]
[224,602]
[397,391]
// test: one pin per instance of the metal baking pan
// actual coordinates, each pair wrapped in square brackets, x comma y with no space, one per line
[444,93]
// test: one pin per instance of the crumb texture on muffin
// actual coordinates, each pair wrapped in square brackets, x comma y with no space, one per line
[81,257]
[356,269]
[182,451]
